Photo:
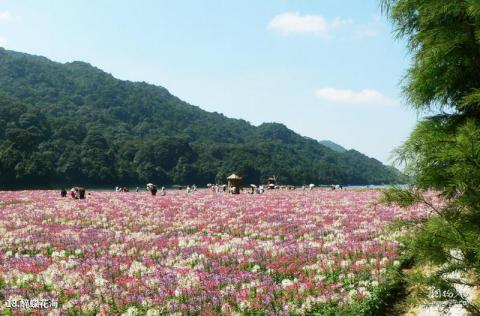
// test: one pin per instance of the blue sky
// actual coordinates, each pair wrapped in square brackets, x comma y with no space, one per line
[328,69]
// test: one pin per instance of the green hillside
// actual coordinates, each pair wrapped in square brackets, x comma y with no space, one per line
[333,146]
[75,124]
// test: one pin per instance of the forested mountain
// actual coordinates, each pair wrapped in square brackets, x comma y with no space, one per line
[333,146]
[75,124]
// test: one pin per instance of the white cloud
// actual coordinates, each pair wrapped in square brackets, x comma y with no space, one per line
[362,97]
[366,31]
[371,28]
[5,16]
[3,41]
[290,23]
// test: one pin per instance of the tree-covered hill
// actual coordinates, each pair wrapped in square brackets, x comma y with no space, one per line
[333,146]
[75,124]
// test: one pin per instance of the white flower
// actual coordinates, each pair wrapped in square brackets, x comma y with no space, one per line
[188,280]
[136,267]
[352,293]
[287,283]
[243,305]
[131,311]
[99,281]
[153,312]
[23,279]
[345,263]
[319,278]
[57,254]
[178,292]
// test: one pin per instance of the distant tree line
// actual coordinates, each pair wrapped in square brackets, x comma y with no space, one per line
[73,123]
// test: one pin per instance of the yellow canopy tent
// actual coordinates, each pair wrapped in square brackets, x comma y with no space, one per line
[234,181]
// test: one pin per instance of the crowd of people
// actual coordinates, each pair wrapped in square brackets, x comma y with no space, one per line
[217,187]
[75,192]
[79,192]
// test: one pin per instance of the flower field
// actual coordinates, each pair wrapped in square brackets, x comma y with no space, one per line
[206,253]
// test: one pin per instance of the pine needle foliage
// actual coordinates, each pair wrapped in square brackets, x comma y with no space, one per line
[442,154]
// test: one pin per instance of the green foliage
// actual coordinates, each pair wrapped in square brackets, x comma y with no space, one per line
[402,197]
[74,124]
[443,152]
[443,37]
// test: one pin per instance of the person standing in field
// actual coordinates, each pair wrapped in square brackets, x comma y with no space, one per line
[81,193]
[153,190]
[74,193]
